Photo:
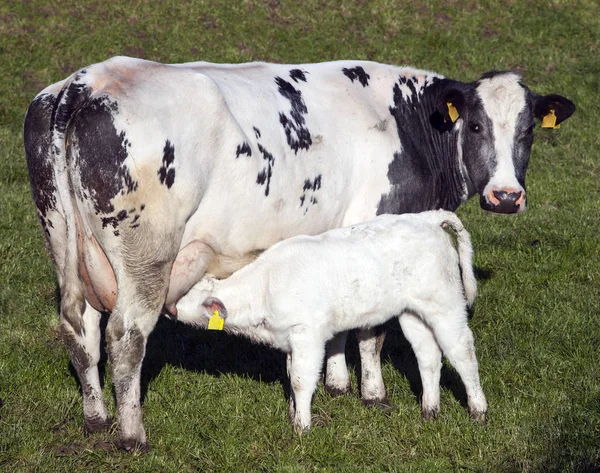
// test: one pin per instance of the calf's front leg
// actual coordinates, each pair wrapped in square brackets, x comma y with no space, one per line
[304,370]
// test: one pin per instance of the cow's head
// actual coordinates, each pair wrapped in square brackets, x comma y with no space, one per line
[495,116]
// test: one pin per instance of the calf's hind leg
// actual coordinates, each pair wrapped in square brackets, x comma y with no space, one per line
[456,341]
[372,388]
[429,359]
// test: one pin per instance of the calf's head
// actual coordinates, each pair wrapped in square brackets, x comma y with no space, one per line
[495,116]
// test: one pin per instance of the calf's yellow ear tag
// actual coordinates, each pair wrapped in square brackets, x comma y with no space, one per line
[452,111]
[216,321]
[549,120]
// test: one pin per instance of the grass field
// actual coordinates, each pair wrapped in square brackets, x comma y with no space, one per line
[216,403]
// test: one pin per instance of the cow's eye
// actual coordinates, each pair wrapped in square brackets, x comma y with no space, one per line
[474,127]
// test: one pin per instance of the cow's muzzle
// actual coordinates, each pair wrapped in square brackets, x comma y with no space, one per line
[504,201]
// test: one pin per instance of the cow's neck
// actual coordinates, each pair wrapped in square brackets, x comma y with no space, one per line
[426,173]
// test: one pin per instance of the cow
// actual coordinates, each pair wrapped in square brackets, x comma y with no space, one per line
[145,176]
[302,291]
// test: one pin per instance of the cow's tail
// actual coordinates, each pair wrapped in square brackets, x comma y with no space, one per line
[465,252]
[71,98]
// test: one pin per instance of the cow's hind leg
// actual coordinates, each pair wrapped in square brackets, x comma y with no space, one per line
[429,359]
[143,280]
[372,388]
[81,334]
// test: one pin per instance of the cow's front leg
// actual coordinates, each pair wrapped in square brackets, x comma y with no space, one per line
[337,380]
[372,389]
[127,333]
[81,334]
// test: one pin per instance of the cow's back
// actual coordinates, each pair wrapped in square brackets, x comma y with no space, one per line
[246,155]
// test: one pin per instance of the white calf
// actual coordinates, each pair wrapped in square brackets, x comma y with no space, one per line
[299,293]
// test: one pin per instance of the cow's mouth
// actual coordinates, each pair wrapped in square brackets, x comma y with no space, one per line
[504,201]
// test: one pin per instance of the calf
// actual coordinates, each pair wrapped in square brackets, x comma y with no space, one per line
[301,292]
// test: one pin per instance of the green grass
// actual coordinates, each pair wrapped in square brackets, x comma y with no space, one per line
[216,403]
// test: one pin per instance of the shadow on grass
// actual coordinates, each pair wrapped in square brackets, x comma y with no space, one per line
[217,353]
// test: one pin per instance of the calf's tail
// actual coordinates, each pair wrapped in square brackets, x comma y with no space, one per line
[465,252]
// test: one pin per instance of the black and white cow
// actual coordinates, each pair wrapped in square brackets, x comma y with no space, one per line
[145,176]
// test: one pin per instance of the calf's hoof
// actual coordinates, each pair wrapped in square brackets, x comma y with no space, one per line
[133,445]
[479,417]
[96,424]
[430,413]
[383,405]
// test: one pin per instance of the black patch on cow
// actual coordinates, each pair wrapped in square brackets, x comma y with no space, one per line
[37,136]
[425,174]
[298,74]
[166,173]
[256,132]
[312,186]
[102,154]
[244,148]
[357,73]
[267,172]
[298,136]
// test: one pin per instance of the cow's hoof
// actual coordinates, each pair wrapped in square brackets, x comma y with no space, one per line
[299,429]
[97,424]
[383,405]
[335,391]
[479,417]
[133,445]
[430,413]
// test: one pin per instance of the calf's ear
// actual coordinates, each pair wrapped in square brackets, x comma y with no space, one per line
[449,108]
[562,107]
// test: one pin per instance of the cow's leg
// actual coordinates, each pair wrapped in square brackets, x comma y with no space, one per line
[429,358]
[337,380]
[304,365]
[81,334]
[372,389]
[143,279]
[456,341]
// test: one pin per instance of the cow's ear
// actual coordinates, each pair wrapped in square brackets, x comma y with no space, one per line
[449,108]
[547,105]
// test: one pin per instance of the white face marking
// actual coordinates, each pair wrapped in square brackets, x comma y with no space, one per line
[503,98]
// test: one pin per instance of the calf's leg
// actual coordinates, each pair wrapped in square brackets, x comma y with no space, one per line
[337,380]
[304,368]
[429,359]
[456,341]
[372,388]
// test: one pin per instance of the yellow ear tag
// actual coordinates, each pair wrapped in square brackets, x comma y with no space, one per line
[452,112]
[549,120]
[216,321]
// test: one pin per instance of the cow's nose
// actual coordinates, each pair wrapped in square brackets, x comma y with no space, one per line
[505,201]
